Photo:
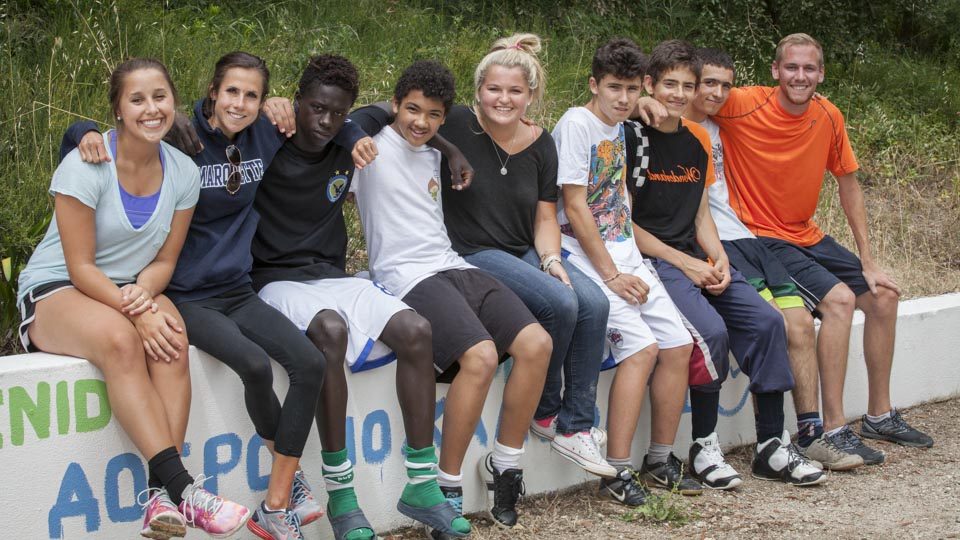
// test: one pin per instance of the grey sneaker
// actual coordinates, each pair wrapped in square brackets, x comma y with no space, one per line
[848,441]
[825,450]
[302,501]
[895,429]
[275,525]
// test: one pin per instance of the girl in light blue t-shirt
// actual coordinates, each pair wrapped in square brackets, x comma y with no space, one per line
[92,290]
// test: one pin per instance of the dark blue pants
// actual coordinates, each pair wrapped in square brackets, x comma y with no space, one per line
[737,320]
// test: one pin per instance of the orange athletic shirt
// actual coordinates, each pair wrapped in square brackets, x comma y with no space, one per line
[774,161]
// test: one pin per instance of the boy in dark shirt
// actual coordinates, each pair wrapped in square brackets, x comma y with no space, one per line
[675,229]
[299,257]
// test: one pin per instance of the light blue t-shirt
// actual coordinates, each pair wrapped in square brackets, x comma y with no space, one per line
[121,250]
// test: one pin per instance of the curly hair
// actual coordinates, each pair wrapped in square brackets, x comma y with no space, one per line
[620,57]
[431,78]
[331,70]
[673,54]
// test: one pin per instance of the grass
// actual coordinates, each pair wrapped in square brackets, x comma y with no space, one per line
[901,103]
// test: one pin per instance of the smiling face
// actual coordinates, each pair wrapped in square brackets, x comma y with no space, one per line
[675,90]
[236,103]
[714,89]
[614,98]
[418,117]
[504,95]
[321,111]
[798,72]
[146,105]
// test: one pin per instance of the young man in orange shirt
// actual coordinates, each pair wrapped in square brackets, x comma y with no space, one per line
[778,142]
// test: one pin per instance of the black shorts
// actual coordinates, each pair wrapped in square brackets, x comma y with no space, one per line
[818,268]
[465,307]
[761,268]
[28,308]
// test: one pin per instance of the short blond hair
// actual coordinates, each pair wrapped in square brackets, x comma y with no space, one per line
[518,50]
[797,39]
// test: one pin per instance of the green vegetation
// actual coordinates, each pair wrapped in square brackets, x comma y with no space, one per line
[892,65]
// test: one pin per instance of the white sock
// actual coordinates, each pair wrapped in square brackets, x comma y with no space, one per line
[881,418]
[505,457]
[449,480]
[834,431]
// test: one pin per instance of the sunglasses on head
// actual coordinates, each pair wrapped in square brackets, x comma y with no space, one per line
[236,176]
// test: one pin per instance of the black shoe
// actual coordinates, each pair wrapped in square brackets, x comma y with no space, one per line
[671,474]
[624,488]
[895,429]
[779,459]
[503,491]
[848,441]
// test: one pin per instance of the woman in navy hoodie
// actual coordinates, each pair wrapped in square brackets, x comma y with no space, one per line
[212,289]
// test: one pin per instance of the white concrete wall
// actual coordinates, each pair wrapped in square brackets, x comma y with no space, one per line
[69,472]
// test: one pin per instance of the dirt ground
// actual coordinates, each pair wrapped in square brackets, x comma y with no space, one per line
[914,494]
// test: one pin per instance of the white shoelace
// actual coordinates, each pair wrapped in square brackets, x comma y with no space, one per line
[201,499]
[585,441]
[151,493]
[714,456]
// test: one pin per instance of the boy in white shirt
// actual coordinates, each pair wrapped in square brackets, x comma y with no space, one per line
[475,319]
[644,327]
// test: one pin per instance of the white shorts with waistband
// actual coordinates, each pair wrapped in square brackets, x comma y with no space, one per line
[632,328]
[365,305]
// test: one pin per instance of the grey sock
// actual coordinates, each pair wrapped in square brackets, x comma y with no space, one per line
[658,453]
[620,464]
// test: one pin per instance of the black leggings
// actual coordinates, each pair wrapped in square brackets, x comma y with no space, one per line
[244,333]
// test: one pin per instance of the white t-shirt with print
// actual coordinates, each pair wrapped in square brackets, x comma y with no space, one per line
[592,154]
[398,196]
[729,225]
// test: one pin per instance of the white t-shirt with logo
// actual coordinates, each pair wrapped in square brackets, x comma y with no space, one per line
[398,196]
[729,225]
[592,154]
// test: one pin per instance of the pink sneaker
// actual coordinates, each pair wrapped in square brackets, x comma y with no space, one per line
[161,518]
[213,515]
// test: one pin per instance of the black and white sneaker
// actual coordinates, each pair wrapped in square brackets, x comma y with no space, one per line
[624,488]
[503,491]
[895,429]
[848,441]
[779,459]
[671,474]
[708,465]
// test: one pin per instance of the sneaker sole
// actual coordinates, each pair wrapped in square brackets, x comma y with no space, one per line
[734,483]
[818,481]
[887,438]
[541,436]
[164,527]
[653,482]
[590,467]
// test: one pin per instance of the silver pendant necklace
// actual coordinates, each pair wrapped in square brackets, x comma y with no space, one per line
[503,163]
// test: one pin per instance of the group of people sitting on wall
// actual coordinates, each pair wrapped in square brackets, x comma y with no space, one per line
[660,227]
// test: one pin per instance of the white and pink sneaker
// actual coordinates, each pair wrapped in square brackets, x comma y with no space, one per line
[214,515]
[161,518]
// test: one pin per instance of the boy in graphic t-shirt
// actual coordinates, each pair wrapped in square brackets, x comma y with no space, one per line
[760,267]
[675,229]
[644,328]
[475,319]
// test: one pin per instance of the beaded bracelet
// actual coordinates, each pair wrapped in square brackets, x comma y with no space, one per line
[615,276]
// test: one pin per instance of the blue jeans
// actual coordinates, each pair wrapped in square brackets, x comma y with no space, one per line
[575,318]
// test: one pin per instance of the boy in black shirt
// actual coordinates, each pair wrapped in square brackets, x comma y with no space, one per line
[299,257]
[673,227]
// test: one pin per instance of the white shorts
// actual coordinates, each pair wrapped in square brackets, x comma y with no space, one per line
[366,306]
[630,328]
